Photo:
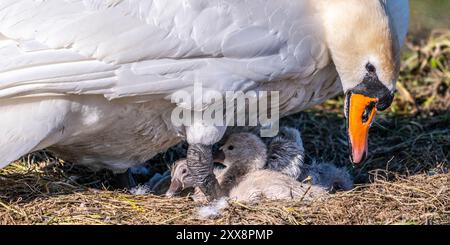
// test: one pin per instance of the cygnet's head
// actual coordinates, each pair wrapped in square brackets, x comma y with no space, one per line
[181,178]
[286,153]
[243,148]
[291,135]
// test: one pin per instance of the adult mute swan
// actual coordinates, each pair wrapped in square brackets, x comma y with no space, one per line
[91,79]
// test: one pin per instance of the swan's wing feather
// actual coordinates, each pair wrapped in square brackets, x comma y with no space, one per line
[399,12]
[123,48]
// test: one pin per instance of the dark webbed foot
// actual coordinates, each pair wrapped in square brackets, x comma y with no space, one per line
[200,164]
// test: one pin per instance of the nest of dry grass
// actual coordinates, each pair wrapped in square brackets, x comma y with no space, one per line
[405,180]
[36,196]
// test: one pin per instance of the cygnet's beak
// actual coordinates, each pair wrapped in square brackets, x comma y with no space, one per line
[175,188]
[219,156]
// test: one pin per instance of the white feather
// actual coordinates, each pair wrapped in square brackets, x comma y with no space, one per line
[116,53]
[132,37]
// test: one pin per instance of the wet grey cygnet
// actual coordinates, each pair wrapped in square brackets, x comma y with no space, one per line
[182,182]
[249,174]
[286,154]
[246,180]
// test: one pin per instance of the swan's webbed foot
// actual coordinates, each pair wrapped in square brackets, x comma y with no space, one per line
[200,164]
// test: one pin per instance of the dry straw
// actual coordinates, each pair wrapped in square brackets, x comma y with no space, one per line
[405,180]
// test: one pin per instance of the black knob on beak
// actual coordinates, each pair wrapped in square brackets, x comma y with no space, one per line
[385,101]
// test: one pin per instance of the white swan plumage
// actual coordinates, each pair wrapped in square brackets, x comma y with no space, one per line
[90,79]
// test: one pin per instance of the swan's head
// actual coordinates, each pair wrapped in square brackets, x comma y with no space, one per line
[364,38]
[243,148]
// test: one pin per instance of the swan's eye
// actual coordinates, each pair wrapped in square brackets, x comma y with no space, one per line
[370,68]
[184,171]
[230,148]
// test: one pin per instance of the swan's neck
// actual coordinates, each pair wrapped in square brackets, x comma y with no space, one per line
[358,32]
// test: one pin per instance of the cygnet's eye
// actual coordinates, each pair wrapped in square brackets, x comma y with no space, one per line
[230,148]
[184,171]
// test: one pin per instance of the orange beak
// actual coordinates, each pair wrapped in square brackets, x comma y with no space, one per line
[361,111]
